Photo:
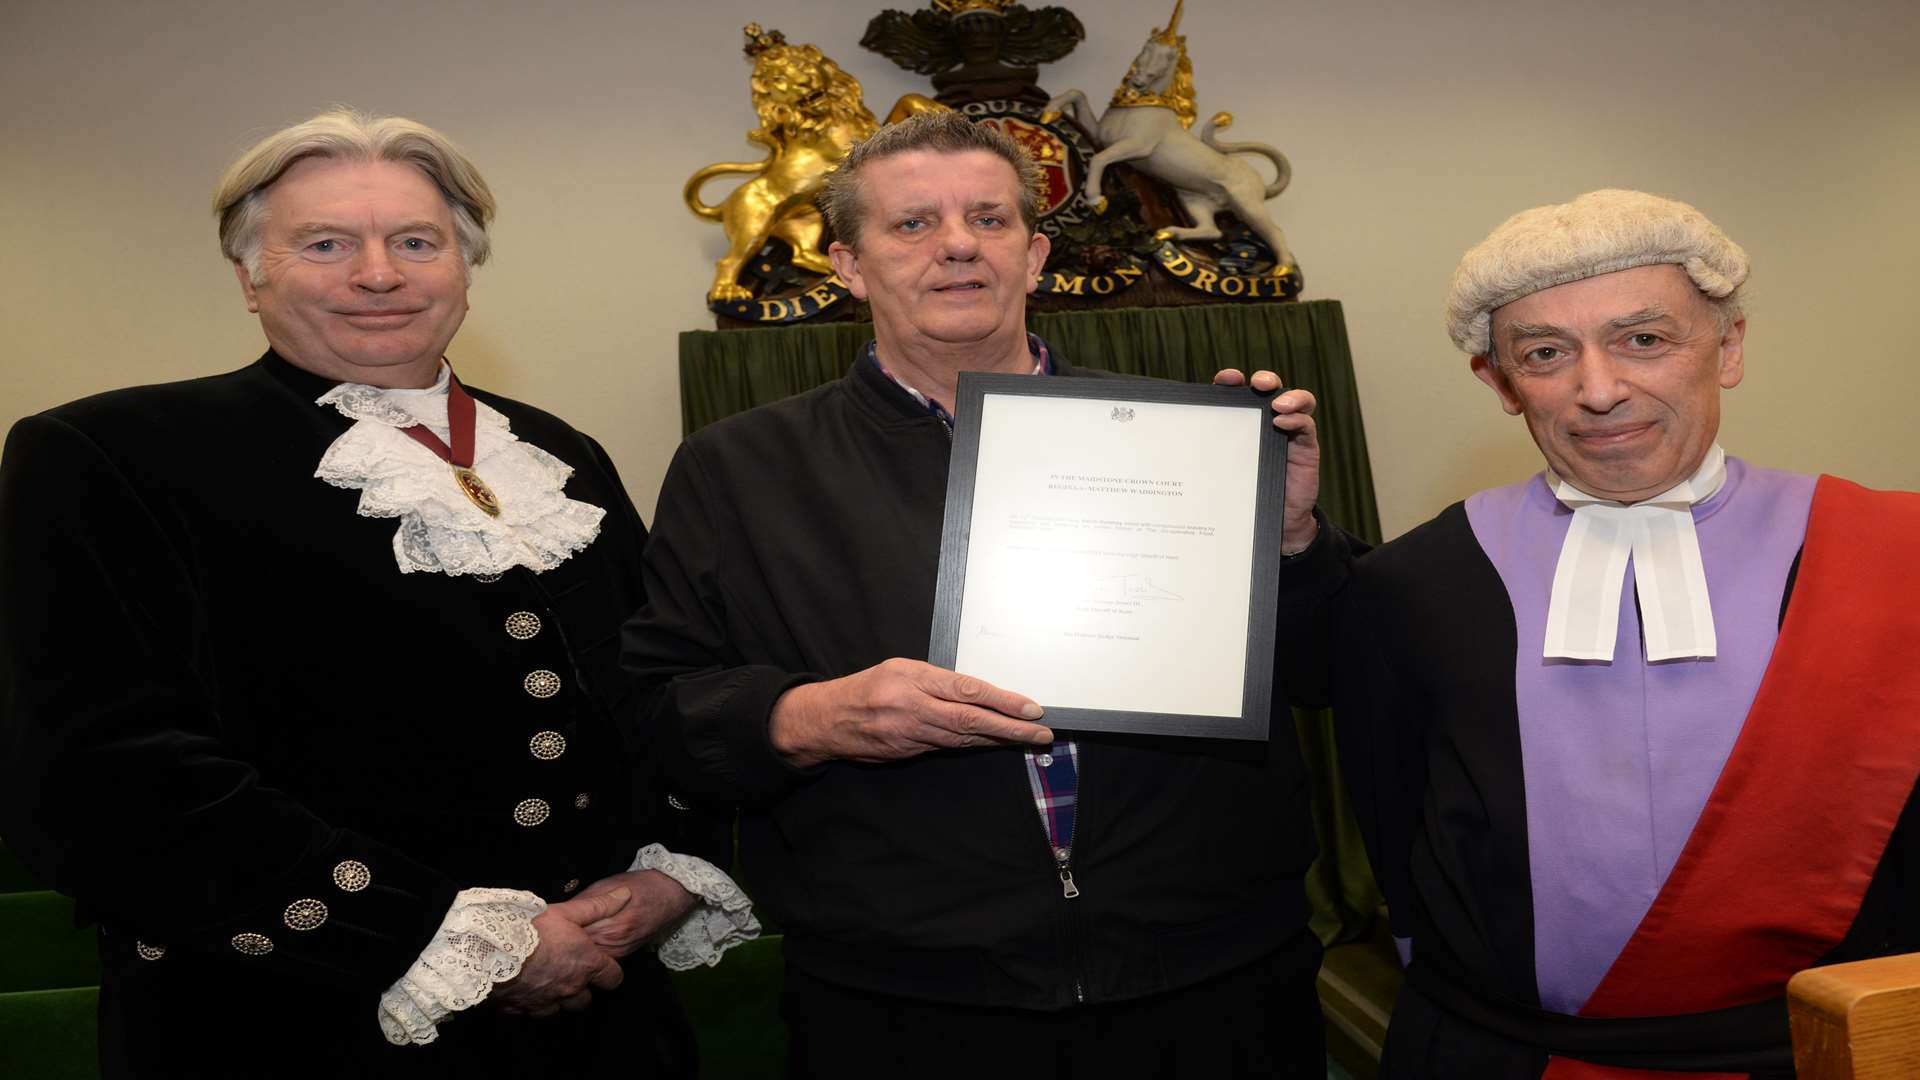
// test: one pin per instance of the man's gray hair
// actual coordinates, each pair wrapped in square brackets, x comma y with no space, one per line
[345,134]
[942,131]
[1598,233]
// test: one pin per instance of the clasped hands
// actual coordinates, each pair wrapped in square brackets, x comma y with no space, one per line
[582,939]
[901,708]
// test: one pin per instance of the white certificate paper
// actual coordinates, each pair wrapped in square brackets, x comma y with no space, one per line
[1108,551]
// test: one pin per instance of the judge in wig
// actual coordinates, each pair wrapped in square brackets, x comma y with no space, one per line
[1635,738]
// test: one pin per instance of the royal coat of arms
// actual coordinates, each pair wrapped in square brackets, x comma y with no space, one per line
[1140,209]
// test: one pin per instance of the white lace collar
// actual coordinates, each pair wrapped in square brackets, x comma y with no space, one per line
[441,531]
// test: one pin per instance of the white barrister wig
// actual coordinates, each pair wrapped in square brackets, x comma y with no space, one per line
[1598,233]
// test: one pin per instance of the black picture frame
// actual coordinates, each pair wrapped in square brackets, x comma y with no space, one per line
[1263,575]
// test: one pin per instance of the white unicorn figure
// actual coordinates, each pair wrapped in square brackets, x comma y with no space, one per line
[1146,123]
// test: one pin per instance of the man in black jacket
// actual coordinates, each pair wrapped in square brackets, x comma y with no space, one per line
[963,892]
[310,674]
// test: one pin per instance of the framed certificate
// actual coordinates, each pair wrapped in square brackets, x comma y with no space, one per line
[1112,550]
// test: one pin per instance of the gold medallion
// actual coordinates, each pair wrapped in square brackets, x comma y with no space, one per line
[476,490]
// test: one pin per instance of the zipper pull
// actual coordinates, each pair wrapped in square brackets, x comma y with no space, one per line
[1067,888]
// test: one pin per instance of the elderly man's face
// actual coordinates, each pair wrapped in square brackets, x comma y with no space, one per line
[943,257]
[1619,377]
[363,276]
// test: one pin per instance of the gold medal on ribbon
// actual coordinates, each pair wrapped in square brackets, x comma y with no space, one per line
[476,490]
[457,449]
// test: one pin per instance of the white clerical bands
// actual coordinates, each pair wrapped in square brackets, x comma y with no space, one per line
[1676,616]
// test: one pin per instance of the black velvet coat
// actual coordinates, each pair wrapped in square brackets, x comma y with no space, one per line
[227,715]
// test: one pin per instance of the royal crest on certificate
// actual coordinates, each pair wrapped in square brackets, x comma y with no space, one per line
[1109,549]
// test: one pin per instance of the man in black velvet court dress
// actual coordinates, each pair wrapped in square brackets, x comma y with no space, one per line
[310,675]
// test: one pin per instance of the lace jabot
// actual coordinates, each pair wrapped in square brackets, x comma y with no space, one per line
[441,531]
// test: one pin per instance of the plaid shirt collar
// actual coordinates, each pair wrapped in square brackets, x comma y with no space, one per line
[1042,365]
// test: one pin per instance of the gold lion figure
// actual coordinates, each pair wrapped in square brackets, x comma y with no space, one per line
[811,113]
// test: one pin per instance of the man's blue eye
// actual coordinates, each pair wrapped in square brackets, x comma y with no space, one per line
[324,245]
[1646,341]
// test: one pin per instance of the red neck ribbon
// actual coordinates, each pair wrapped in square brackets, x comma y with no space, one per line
[459,428]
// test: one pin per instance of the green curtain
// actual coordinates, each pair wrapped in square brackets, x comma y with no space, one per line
[724,372]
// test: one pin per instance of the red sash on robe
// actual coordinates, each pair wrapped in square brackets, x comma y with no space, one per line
[1774,871]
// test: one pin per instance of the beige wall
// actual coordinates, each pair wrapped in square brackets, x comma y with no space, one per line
[1414,127]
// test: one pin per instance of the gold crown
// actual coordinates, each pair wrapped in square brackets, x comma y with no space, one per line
[759,41]
[957,8]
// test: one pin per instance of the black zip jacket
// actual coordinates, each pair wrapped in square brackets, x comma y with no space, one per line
[800,541]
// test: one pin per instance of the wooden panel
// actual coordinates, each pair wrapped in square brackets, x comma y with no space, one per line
[1858,1021]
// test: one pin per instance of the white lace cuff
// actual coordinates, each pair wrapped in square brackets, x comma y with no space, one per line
[723,918]
[485,938]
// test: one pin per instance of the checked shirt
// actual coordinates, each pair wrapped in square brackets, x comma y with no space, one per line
[1053,775]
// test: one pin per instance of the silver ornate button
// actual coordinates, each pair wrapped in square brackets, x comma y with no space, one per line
[1044,760]
[674,801]
[253,944]
[352,875]
[149,952]
[572,884]
[547,745]
[522,625]
[531,811]
[304,914]
[582,801]
[542,683]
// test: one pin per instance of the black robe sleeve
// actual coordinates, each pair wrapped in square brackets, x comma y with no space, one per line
[1309,582]
[707,708]
[1380,729]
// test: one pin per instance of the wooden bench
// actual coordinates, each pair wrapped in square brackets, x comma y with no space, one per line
[1858,1021]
